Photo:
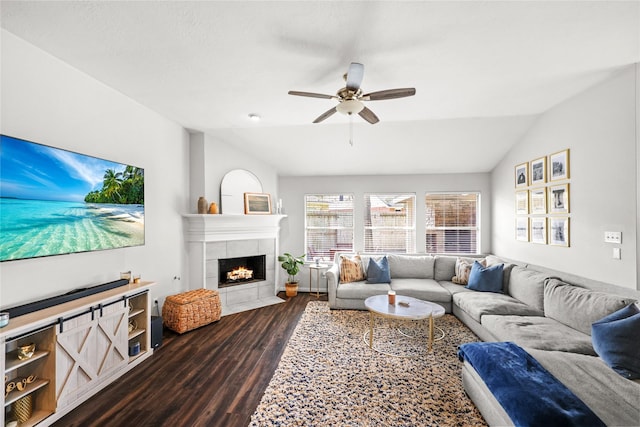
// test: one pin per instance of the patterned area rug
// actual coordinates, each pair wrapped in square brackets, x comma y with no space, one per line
[328,376]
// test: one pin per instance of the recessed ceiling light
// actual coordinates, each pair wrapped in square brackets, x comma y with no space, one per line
[254,117]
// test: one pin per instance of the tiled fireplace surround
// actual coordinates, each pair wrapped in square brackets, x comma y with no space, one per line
[213,237]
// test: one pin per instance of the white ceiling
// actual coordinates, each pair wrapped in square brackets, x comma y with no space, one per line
[483,71]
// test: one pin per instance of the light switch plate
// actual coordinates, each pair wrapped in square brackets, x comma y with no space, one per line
[613,237]
[616,253]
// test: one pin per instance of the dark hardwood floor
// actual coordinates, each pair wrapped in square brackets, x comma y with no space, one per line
[212,376]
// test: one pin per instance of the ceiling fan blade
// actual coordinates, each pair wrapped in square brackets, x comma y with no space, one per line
[354,76]
[369,116]
[389,94]
[326,114]
[311,94]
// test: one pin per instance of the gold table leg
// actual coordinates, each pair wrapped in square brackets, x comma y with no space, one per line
[430,332]
[371,329]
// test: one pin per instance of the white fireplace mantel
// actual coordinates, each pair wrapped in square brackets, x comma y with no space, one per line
[203,231]
[216,228]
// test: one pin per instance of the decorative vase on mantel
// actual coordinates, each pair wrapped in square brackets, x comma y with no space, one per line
[213,208]
[202,205]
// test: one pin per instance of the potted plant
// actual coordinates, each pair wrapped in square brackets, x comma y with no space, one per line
[291,265]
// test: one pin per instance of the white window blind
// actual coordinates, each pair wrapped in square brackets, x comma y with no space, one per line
[452,223]
[389,223]
[328,225]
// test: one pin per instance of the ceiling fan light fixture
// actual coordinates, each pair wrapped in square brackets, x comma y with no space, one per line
[350,106]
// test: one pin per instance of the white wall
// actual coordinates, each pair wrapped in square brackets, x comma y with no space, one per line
[47,101]
[293,190]
[599,128]
[212,158]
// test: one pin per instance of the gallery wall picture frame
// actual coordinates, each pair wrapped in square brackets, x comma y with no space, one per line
[559,231]
[522,175]
[538,200]
[522,202]
[522,229]
[538,230]
[559,165]
[559,199]
[539,171]
[257,204]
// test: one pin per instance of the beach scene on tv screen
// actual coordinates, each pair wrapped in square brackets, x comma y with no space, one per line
[54,202]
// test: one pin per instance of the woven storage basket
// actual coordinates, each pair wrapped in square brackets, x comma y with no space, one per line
[190,310]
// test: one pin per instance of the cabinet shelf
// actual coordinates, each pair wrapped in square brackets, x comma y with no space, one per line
[30,388]
[135,312]
[13,363]
[136,333]
[36,417]
[132,358]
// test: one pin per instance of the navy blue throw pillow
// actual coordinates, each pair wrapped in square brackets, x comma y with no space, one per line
[378,271]
[485,279]
[615,338]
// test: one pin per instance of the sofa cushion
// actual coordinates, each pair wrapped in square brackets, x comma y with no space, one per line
[361,290]
[485,279]
[538,332]
[444,267]
[506,270]
[411,266]
[615,400]
[423,289]
[479,304]
[527,286]
[351,269]
[578,307]
[463,270]
[378,271]
[616,338]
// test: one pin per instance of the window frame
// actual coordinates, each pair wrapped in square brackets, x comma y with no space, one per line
[411,231]
[477,227]
[307,227]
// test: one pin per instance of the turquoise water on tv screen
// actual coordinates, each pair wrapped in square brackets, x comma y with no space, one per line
[36,228]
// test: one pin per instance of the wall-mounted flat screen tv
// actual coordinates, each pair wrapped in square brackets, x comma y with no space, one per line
[54,202]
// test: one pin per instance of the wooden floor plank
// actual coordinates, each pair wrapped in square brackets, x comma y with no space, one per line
[213,376]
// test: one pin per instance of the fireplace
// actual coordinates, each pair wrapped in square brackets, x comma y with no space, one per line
[241,270]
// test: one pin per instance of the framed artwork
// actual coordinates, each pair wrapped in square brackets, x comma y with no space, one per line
[538,229]
[559,231]
[559,199]
[559,165]
[522,229]
[522,175]
[257,204]
[522,202]
[539,171]
[538,200]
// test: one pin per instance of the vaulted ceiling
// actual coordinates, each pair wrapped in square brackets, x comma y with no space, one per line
[483,71]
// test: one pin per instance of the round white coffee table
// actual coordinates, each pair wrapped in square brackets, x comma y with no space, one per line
[405,308]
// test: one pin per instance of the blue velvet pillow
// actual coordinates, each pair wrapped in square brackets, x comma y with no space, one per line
[485,279]
[615,338]
[378,271]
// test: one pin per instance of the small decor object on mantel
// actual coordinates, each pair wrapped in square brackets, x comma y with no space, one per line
[202,205]
[213,208]
[257,204]
[291,265]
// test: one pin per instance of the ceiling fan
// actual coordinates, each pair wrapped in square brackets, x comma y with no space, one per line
[351,96]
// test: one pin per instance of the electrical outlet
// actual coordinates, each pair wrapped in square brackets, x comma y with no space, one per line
[155,301]
[616,253]
[613,237]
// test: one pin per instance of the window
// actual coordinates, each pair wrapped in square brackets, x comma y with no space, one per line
[452,223]
[389,223]
[328,225]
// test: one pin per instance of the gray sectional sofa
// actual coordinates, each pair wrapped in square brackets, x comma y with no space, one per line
[547,312]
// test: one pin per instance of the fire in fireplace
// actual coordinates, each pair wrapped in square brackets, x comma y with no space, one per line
[238,271]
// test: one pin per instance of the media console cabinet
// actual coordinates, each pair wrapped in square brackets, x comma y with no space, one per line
[81,347]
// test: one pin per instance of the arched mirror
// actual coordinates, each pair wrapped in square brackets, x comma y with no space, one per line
[234,184]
